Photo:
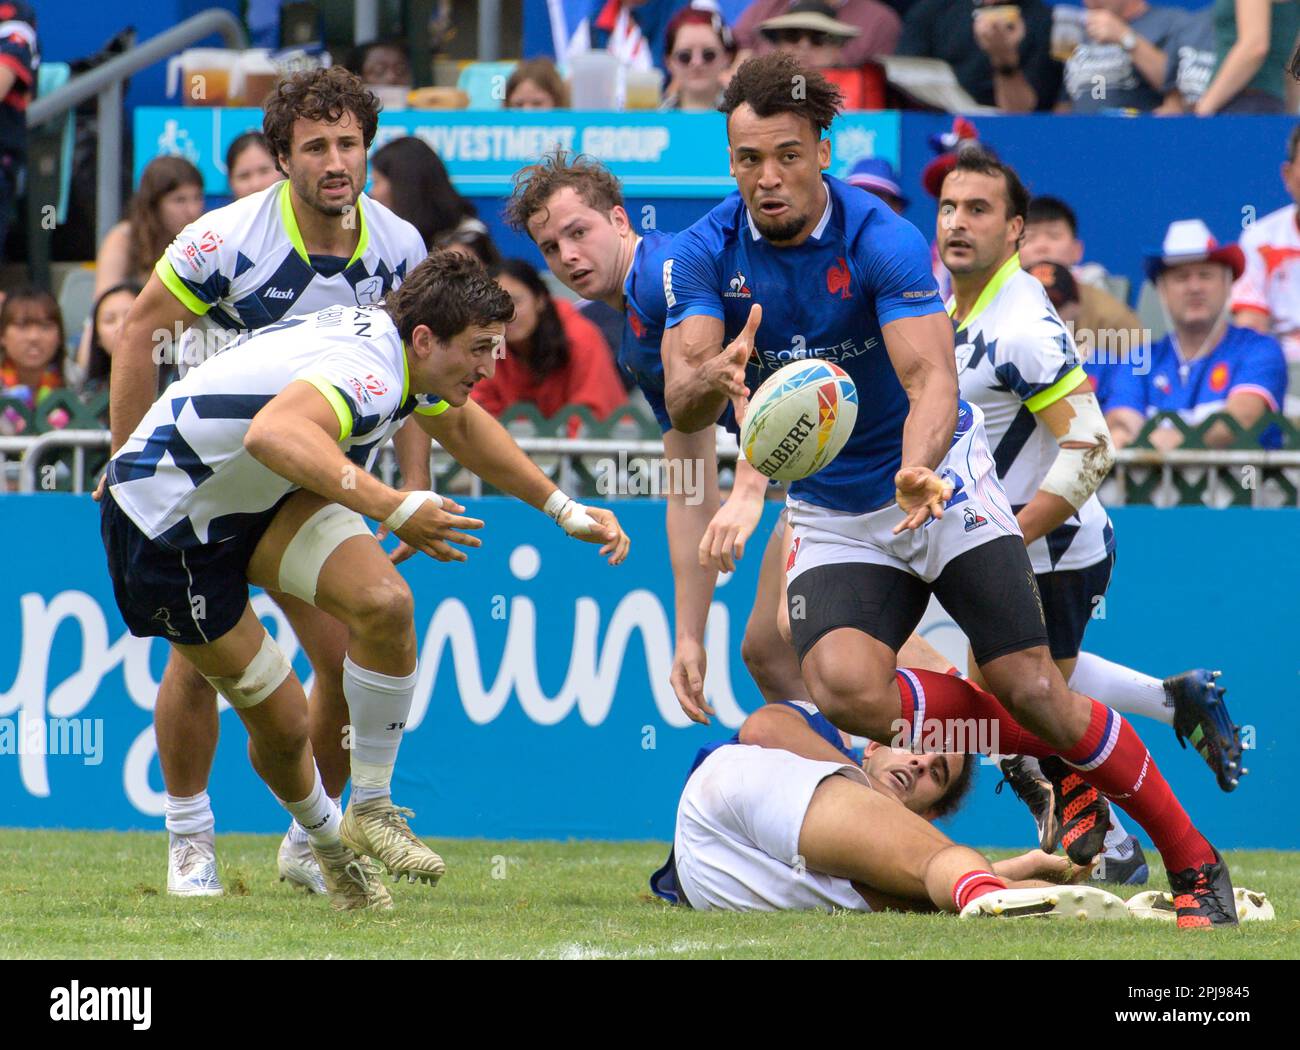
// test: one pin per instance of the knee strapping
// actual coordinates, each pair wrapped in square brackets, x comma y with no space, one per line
[262,677]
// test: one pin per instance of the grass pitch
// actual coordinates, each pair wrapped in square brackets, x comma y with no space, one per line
[99,895]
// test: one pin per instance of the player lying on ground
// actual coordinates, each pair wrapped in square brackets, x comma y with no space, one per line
[312,241]
[788,816]
[800,262]
[572,208]
[252,469]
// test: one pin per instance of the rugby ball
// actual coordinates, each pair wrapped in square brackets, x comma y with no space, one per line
[799,419]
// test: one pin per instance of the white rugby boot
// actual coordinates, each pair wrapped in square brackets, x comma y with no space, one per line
[297,866]
[192,866]
[1057,902]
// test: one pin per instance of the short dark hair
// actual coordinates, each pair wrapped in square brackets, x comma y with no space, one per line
[317,94]
[25,300]
[534,185]
[241,143]
[776,83]
[448,293]
[421,189]
[958,788]
[980,160]
[1052,209]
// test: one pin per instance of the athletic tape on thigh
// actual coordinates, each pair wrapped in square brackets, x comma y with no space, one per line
[262,677]
[313,543]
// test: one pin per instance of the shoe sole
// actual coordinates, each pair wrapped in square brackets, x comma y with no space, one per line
[1079,903]
[412,874]
[195,893]
[1206,699]
[1252,906]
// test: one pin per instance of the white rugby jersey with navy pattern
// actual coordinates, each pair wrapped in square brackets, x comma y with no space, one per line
[184,478]
[245,266]
[1014,358]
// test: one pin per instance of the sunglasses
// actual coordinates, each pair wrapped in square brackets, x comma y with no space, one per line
[792,36]
[708,55]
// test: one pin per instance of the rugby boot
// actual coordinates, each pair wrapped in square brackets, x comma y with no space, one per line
[297,866]
[1035,791]
[379,829]
[1081,810]
[192,866]
[1201,716]
[1203,896]
[353,883]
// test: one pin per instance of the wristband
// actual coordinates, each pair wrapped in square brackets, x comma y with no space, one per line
[555,504]
[570,516]
[413,502]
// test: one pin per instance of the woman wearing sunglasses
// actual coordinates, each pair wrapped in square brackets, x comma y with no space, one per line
[699,54]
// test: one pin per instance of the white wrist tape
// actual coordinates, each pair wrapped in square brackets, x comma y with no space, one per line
[1078,472]
[413,502]
[570,516]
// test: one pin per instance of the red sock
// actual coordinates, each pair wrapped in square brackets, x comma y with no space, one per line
[975,884]
[1113,759]
[934,704]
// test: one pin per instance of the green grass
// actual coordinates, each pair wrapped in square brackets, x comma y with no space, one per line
[100,895]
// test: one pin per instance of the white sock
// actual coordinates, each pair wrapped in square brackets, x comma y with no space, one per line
[318,815]
[1115,834]
[189,815]
[379,705]
[1127,691]
[297,833]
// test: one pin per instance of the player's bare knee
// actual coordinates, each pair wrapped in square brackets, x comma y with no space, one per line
[382,607]
[848,699]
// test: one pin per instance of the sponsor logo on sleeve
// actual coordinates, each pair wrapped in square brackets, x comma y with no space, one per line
[668,283]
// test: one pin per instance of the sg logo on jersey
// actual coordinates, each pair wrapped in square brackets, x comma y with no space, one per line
[370,291]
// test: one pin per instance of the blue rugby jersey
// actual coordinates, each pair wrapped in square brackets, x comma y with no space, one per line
[828,298]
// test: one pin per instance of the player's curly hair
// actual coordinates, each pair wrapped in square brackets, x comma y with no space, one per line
[776,83]
[958,789]
[535,185]
[448,293]
[317,94]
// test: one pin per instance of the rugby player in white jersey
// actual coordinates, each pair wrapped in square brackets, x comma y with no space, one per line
[253,469]
[1017,361]
[311,241]
[572,208]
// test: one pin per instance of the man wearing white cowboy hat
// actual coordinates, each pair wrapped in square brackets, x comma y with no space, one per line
[855,30]
[1205,365]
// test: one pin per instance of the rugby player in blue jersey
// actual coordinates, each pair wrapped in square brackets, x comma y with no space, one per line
[572,207]
[797,265]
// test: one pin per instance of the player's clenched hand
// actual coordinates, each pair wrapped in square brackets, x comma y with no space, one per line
[725,372]
[724,540]
[688,680]
[921,493]
[433,529]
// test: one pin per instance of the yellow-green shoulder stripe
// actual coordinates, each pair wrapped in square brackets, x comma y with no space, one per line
[177,287]
[1057,390]
[436,409]
[337,403]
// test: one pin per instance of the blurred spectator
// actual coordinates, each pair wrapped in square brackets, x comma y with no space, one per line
[31,355]
[811,33]
[1191,63]
[382,63]
[699,52]
[18,61]
[249,165]
[1002,56]
[1253,42]
[1124,61]
[876,175]
[877,27]
[1052,233]
[633,31]
[1204,365]
[470,239]
[554,356]
[106,320]
[408,177]
[536,84]
[169,198]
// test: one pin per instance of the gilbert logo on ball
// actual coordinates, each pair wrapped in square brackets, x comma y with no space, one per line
[799,420]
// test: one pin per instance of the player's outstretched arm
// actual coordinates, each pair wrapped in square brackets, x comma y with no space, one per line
[700,376]
[478,442]
[155,321]
[693,458]
[920,349]
[296,435]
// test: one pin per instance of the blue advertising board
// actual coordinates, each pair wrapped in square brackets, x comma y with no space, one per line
[543,707]
[659,154]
